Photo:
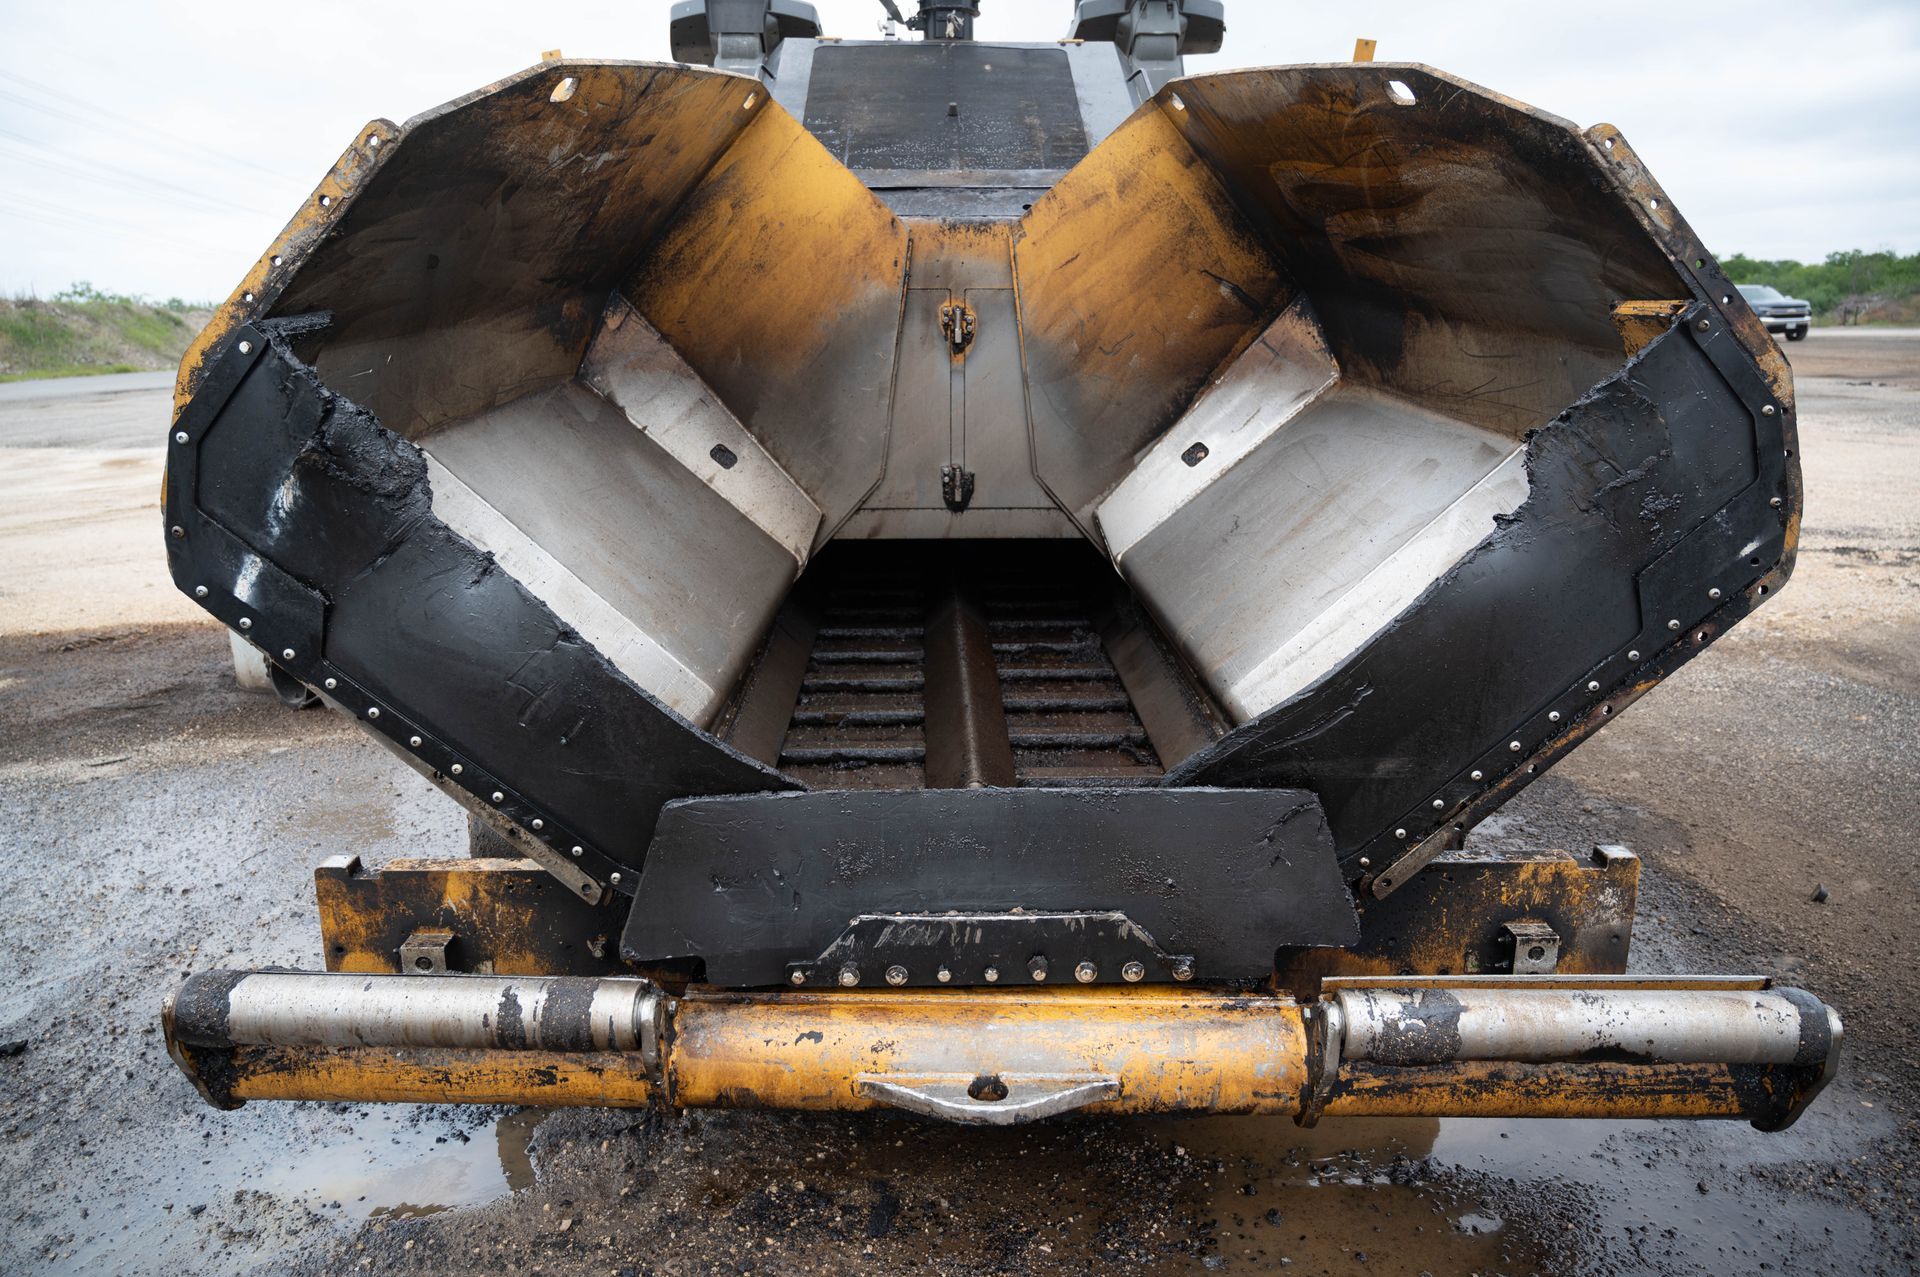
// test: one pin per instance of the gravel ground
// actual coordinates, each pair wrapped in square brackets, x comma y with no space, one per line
[161,821]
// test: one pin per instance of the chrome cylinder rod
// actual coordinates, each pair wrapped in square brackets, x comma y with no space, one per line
[1441,1025]
[310,1009]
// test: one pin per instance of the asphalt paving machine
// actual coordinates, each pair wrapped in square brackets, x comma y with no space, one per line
[986,579]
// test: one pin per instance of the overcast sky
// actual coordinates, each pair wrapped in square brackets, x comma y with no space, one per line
[158,147]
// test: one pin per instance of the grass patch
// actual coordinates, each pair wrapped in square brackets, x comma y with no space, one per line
[34,334]
[69,370]
[83,330]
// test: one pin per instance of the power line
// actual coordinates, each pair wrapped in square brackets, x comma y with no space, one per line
[117,126]
[26,206]
[63,222]
[126,180]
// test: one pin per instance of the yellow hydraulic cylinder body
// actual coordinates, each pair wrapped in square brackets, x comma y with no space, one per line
[1506,1047]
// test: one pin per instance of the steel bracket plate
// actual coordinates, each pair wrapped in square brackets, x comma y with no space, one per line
[498,917]
[1457,918]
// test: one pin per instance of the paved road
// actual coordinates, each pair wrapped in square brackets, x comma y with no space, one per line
[80,461]
[160,821]
[113,410]
[83,387]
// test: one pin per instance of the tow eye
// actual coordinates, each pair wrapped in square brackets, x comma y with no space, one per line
[996,1099]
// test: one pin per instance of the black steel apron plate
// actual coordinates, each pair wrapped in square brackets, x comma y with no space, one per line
[1210,883]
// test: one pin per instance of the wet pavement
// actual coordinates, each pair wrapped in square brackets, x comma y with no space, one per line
[161,821]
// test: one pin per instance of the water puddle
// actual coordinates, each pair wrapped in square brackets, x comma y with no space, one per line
[1352,1197]
[1488,1196]
[467,1169]
[267,1175]
[420,1172]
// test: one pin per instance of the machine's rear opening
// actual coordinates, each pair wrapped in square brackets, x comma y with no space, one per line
[1406,458]
[913,664]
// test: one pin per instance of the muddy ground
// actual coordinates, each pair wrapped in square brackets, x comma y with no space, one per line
[157,820]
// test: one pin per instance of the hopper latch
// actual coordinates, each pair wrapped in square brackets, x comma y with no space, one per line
[956,487]
[957,322]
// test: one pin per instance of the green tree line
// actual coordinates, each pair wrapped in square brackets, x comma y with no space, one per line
[1848,288]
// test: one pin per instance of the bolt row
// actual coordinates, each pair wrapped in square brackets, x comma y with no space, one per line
[1086,972]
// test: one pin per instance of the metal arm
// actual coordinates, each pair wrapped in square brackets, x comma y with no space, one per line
[738,35]
[939,19]
[1152,35]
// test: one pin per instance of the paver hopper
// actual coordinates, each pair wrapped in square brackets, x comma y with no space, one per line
[876,532]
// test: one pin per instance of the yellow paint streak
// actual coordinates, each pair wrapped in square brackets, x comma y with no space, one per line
[1138,278]
[600,1080]
[547,1079]
[1640,322]
[779,242]
[1129,259]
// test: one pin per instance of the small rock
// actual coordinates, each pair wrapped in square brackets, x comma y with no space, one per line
[12,1046]
[1820,894]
